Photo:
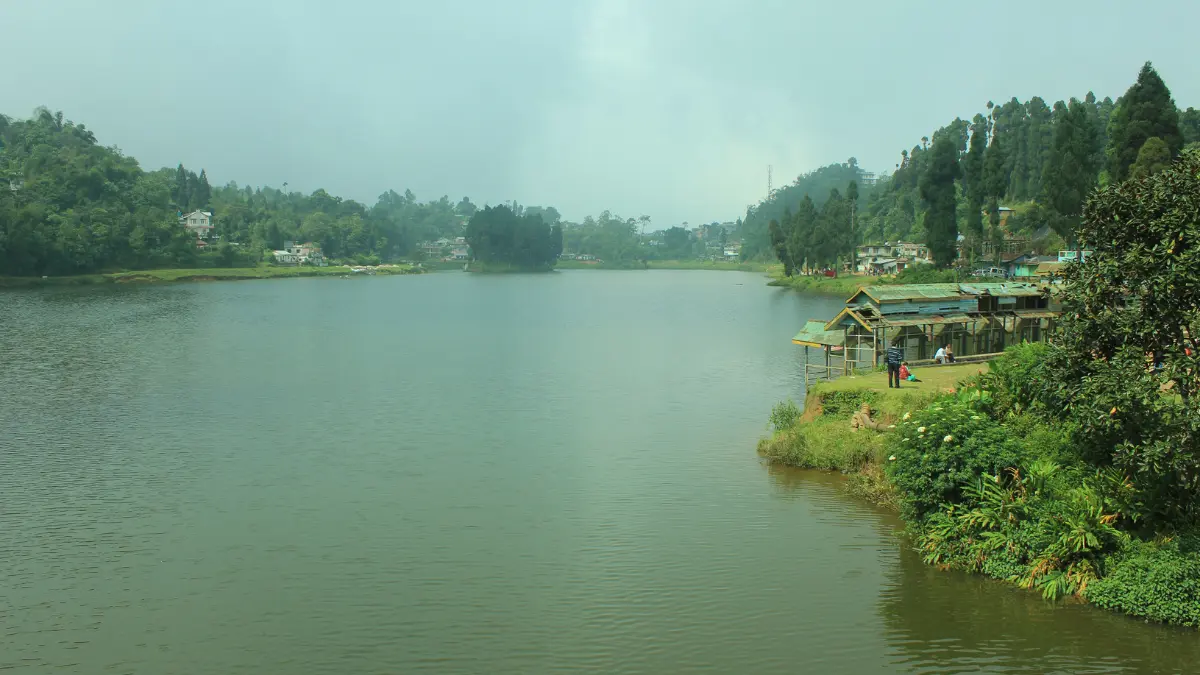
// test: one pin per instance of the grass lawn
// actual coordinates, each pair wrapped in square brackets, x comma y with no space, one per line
[845,285]
[934,379]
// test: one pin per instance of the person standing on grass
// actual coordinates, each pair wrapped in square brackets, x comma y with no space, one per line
[895,356]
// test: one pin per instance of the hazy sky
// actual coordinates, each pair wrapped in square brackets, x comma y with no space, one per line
[670,108]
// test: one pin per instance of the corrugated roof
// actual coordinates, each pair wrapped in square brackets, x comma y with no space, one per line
[928,320]
[815,335]
[1037,314]
[1013,289]
[898,292]
[927,292]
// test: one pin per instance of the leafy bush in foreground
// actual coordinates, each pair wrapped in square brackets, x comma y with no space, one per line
[1157,583]
[937,451]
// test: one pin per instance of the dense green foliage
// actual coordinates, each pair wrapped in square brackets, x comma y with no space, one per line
[1137,299]
[70,206]
[1039,159]
[937,188]
[812,239]
[1156,581]
[1084,472]
[1071,168]
[498,235]
[1145,111]
[814,187]
[614,239]
[939,451]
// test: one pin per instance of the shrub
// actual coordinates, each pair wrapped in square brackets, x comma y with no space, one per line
[1020,381]
[825,443]
[1135,299]
[846,403]
[939,449]
[784,415]
[1160,583]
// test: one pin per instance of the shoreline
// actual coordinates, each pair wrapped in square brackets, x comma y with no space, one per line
[175,275]
[763,268]
[892,463]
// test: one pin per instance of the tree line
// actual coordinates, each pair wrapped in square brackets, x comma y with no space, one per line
[69,205]
[1042,160]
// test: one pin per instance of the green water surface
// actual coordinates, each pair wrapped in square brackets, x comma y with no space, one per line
[461,474]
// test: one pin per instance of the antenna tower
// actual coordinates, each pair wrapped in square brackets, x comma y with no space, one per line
[769,187]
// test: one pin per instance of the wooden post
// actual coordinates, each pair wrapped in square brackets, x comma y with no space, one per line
[806,369]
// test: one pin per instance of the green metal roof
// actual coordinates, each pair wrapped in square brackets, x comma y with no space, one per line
[928,292]
[1009,289]
[814,334]
[927,320]
[899,292]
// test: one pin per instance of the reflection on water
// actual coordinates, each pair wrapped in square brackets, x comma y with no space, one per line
[451,473]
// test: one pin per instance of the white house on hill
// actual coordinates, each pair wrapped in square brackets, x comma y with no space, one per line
[198,223]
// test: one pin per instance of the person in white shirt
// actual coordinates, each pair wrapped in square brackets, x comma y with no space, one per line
[940,356]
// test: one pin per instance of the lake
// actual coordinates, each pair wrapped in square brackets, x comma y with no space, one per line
[453,473]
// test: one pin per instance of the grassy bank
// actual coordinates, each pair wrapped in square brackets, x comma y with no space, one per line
[820,437]
[844,285]
[847,284]
[732,266]
[506,268]
[989,483]
[209,274]
[715,265]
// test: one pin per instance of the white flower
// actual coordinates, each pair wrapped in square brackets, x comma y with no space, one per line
[948,438]
[907,415]
[892,458]
[921,430]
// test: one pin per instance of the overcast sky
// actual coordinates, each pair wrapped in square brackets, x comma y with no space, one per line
[669,108]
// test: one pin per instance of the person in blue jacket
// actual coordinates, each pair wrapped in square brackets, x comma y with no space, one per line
[895,356]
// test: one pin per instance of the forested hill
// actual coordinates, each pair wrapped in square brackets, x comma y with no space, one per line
[815,185]
[1038,158]
[69,205]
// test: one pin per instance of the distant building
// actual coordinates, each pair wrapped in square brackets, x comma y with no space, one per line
[890,258]
[300,254]
[1073,256]
[1026,266]
[198,223]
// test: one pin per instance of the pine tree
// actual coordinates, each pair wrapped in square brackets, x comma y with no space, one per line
[779,245]
[803,233]
[203,193]
[1040,132]
[973,184]
[1070,171]
[1145,111]
[180,192]
[937,189]
[852,199]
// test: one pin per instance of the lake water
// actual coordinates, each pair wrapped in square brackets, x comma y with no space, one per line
[462,474]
